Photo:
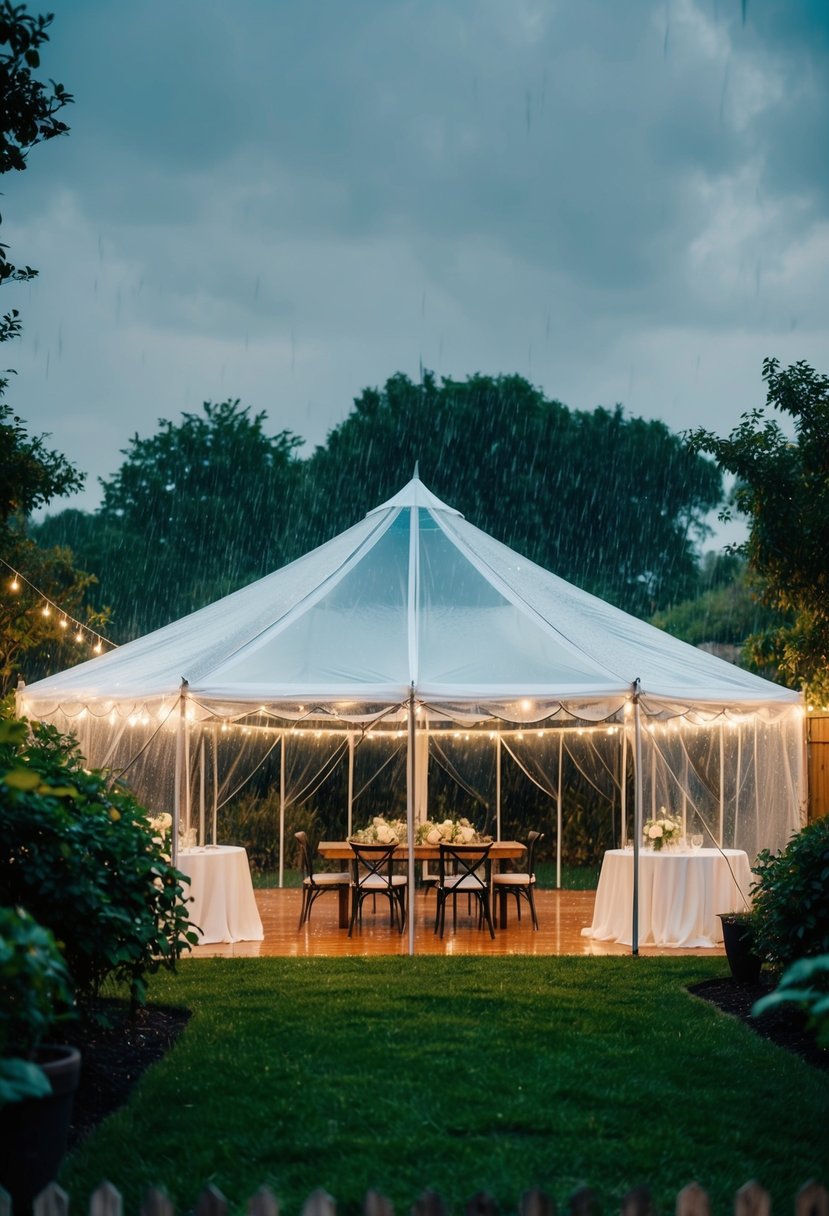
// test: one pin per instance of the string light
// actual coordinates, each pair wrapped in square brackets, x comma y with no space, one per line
[83,633]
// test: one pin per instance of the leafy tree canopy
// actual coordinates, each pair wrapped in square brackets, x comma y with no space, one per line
[195,511]
[29,108]
[31,474]
[611,503]
[207,505]
[783,488]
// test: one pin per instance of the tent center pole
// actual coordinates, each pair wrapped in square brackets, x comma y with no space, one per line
[637,822]
[410,812]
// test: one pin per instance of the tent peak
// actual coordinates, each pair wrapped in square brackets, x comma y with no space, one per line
[415,494]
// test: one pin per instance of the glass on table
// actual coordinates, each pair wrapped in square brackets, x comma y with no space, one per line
[696,840]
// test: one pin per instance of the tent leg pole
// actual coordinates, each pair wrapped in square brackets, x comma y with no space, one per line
[498,787]
[202,793]
[559,810]
[177,799]
[282,809]
[637,825]
[623,792]
[410,812]
[350,782]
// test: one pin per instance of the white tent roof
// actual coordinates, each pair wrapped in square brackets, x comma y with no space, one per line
[412,597]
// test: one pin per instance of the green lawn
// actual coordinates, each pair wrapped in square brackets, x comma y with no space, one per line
[459,1074]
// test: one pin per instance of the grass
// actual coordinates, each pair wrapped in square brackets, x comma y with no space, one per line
[459,1074]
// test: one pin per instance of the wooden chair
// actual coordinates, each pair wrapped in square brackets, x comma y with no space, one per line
[314,885]
[520,883]
[464,869]
[374,875]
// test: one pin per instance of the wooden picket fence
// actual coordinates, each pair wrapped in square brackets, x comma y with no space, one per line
[750,1200]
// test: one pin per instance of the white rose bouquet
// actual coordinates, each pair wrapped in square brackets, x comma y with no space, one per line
[662,830]
[448,831]
[382,831]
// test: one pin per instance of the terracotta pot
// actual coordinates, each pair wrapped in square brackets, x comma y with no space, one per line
[739,948]
[33,1132]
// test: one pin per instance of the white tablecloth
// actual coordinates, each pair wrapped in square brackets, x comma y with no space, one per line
[223,907]
[680,895]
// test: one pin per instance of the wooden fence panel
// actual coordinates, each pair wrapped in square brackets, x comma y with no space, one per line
[750,1200]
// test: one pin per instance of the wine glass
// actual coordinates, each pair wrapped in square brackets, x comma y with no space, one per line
[696,840]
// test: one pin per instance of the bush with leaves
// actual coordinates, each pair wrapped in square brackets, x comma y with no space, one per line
[81,857]
[791,898]
[806,986]
[35,994]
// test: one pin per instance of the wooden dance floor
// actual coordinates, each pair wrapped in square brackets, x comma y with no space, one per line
[561,914]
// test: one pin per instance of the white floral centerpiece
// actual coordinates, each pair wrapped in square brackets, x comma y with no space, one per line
[662,830]
[449,831]
[382,831]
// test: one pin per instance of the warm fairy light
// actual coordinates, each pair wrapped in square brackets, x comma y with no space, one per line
[15,584]
[97,648]
[79,636]
[46,610]
[64,624]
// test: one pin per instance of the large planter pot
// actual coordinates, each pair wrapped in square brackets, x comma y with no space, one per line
[33,1132]
[738,940]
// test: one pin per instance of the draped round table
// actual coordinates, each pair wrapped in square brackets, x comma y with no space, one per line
[680,896]
[223,905]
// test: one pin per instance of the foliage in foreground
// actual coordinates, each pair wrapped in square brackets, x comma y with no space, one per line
[805,985]
[783,488]
[460,1074]
[35,993]
[790,897]
[82,858]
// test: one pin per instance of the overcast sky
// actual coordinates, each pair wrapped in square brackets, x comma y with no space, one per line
[288,200]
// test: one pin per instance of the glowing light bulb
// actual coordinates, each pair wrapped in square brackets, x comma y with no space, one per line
[15,584]
[97,648]
[64,624]
[79,636]
[46,610]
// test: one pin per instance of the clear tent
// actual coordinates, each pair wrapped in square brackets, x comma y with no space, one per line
[415,640]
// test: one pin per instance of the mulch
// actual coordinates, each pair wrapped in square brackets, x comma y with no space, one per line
[114,1057]
[786,1026]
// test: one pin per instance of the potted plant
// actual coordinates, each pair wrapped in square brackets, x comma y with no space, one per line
[37,1079]
[738,939]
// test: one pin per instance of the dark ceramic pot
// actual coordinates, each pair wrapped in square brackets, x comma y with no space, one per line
[33,1132]
[738,940]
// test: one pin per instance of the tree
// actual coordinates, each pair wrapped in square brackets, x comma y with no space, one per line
[195,511]
[29,107]
[783,488]
[613,504]
[31,474]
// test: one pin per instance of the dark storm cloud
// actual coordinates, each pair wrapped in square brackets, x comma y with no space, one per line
[288,201]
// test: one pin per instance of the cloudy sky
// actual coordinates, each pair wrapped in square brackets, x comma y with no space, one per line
[288,200]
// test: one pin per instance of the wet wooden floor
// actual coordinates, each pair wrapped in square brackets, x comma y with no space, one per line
[562,915]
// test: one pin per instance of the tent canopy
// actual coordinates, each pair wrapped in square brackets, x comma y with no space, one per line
[411,599]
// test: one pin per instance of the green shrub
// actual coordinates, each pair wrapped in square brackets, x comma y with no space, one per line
[791,898]
[35,994]
[81,857]
[806,986]
[252,821]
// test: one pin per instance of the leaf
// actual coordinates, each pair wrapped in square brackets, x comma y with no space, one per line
[21,779]
[22,1079]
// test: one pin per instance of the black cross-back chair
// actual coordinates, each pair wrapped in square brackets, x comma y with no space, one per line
[520,883]
[464,869]
[314,885]
[374,875]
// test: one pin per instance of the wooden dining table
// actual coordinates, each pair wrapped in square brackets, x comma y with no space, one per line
[340,850]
